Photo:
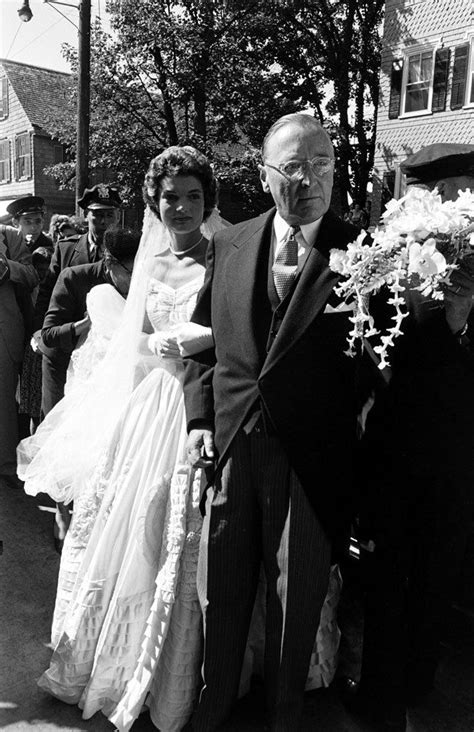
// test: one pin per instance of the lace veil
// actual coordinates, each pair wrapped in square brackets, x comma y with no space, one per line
[60,456]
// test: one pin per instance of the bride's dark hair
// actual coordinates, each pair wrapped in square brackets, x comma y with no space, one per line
[180,160]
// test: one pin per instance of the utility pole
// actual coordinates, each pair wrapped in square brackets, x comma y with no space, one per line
[83,99]
[83,87]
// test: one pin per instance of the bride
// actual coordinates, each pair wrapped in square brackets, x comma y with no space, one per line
[127,624]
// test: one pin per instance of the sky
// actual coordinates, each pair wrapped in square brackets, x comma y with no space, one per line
[39,41]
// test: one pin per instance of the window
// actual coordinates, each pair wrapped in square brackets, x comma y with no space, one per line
[23,156]
[417,87]
[3,97]
[419,82]
[58,154]
[5,176]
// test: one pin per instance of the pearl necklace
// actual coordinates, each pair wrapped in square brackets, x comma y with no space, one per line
[178,252]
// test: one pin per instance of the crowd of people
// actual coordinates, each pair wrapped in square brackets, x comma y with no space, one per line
[198,424]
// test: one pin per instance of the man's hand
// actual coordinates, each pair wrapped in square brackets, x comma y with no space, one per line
[200,448]
[82,326]
[35,341]
[458,298]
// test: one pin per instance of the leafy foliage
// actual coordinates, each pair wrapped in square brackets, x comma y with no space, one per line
[216,74]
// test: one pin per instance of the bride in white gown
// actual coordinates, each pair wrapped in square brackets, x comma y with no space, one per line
[127,625]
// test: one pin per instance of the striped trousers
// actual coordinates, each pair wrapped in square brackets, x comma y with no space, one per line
[258,511]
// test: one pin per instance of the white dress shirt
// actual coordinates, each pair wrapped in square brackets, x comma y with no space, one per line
[305,238]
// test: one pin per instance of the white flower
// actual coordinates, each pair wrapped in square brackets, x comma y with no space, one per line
[425,260]
[404,254]
[338,261]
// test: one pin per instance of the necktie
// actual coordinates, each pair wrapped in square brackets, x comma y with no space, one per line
[286,264]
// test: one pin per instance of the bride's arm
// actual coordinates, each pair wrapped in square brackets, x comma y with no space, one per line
[193,338]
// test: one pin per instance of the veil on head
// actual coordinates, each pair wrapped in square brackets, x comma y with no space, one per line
[68,444]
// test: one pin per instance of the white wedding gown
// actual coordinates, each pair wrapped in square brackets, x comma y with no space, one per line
[127,625]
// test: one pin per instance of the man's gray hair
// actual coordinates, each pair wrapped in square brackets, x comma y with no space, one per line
[305,121]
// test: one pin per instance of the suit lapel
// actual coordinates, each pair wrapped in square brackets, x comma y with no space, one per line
[245,285]
[313,289]
[82,249]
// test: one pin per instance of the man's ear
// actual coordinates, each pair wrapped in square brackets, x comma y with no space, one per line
[263,178]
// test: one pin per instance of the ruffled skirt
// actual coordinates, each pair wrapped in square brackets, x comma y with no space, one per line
[127,624]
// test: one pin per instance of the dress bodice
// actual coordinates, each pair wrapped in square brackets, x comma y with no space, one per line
[167,307]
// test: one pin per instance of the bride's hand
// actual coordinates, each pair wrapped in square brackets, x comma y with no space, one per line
[164,345]
[193,338]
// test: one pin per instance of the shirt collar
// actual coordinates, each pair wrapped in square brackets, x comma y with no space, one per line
[309,231]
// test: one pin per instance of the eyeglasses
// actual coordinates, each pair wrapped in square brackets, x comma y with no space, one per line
[295,170]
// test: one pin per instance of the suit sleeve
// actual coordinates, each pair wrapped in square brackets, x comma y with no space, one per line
[22,271]
[46,289]
[199,368]
[58,328]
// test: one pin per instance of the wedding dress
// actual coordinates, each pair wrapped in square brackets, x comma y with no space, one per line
[127,623]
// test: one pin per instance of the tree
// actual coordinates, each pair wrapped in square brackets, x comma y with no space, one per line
[216,74]
[338,65]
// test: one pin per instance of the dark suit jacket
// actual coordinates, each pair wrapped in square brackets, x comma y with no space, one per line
[305,383]
[420,433]
[22,279]
[68,304]
[68,253]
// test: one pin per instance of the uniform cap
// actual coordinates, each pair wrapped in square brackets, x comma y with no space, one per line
[25,205]
[100,196]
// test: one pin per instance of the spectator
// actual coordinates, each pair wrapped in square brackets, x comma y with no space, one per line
[27,214]
[30,380]
[16,271]
[62,226]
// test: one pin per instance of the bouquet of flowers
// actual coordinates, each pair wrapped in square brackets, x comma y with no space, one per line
[422,240]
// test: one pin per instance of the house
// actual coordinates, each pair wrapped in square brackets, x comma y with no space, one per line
[426,86]
[29,97]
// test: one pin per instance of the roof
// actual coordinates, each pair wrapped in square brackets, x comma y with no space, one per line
[41,92]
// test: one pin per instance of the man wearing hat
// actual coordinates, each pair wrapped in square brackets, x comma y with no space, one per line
[28,216]
[419,444]
[101,205]
[16,270]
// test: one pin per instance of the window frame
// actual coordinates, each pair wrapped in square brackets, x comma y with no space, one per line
[28,157]
[408,53]
[4,95]
[7,160]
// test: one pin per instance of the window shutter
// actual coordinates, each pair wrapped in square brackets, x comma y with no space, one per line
[396,78]
[16,163]
[458,87]
[440,80]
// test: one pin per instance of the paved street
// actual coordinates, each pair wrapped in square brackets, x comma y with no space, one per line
[28,570]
